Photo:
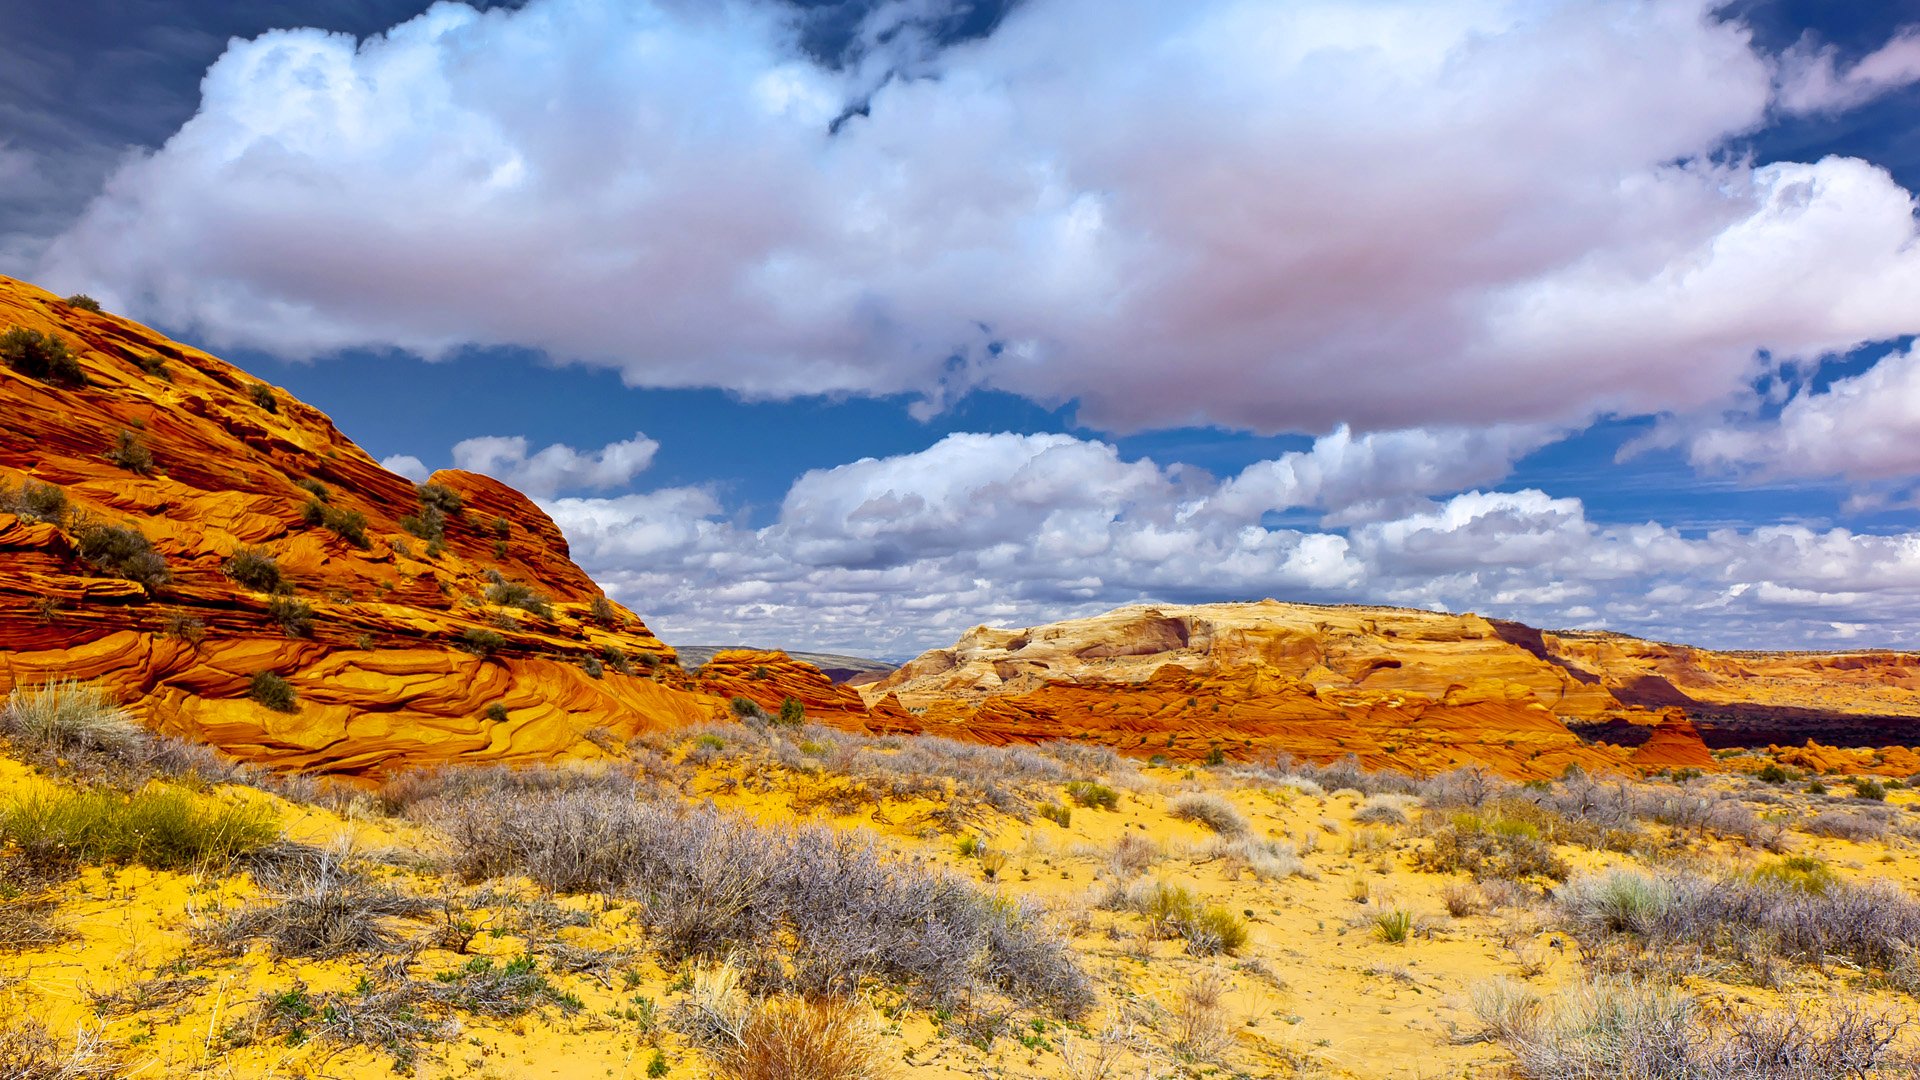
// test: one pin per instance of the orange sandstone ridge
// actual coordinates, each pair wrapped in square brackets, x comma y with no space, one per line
[400,657]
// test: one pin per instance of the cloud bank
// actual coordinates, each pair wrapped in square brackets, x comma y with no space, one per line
[1279,217]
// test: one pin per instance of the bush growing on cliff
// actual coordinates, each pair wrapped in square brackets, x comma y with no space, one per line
[155,366]
[34,502]
[348,525]
[747,709]
[41,356]
[295,617]
[123,552]
[481,642]
[601,611]
[441,498]
[274,692]
[253,568]
[130,453]
[429,524]
[264,397]
[83,302]
[518,594]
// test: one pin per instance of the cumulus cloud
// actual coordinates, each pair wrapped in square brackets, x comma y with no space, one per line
[892,555]
[1864,428]
[1270,216]
[408,466]
[558,467]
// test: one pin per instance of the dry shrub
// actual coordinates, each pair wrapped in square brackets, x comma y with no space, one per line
[1211,810]
[1132,856]
[323,911]
[29,1052]
[789,1038]
[1197,1024]
[1463,898]
[29,924]
[1263,860]
[1858,826]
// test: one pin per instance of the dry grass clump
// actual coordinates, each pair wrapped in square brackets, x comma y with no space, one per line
[29,1052]
[1173,911]
[323,910]
[1263,860]
[1215,812]
[812,909]
[1621,1028]
[1491,845]
[1384,809]
[156,827]
[1859,826]
[77,729]
[789,1038]
[506,783]
[1198,1025]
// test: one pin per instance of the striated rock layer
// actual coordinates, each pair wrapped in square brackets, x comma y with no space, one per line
[481,645]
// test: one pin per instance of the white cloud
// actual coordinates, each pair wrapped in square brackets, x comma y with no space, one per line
[1811,80]
[1864,428]
[1276,216]
[892,555]
[557,467]
[408,466]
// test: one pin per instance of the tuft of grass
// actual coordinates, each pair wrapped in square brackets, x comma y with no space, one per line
[1393,927]
[1092,795]
[1209,929]
[29,1052]
[156,827]
[1200,1027]
[348,525]
[788,1038]
[1801,873]
[481,642]
[1212,811]
[518,594]
[274,692]
[65,716]
[46,357]
[321,910]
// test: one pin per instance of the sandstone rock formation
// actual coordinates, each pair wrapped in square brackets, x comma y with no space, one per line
[769,678]
[416,625]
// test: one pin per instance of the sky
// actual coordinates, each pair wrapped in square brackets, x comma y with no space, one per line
[848,326]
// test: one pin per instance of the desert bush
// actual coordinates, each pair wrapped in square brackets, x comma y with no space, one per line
[816,910]
[746,708]
[294,617]
[348,525]
[130,453]
[428,524]
[1263,860]
[1803,873]
[1382,810]
[1211,810]
[1132,855]
[1617,902]
[601,610]
[1199,1026]
[1866,787]
[1090,794]
[792,713]
[253,568]
[29,1052]
[123,552]
[1491,847]
[274,692]
[155,366]
[1772,773]
[1054,812]
[441,498]
[27,924]
[160,828]
[34,501]
[41,356]
[83,302]
[1462,899]
[480,642]
[322,909]
[1173,911]
[264,397]
[518,594]
[1847,825]
[1620,1028]
[789,1038]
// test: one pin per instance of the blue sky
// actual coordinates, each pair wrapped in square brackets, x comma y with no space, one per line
[849,326]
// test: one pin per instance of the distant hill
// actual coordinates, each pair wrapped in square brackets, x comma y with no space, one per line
[854,669]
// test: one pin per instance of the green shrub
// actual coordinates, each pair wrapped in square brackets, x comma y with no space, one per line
[1093,795]
[442,498]
[35,502]
[124,553]
[83,302]
[601,610]
[1801,873]
[253,568]
[497,713]
[1772,773]
[593,667]
[481,642]
[294,616]
[155,366]
[747,709]
[792,713]
[1054,812]
[314,488]
[429,524]
[1209,929]
[130,453]
[616,658]
[157,827]
[348,525]
[1865,787]
[274,692]
[502,528]
[41,356]
[264,397]
[518,594]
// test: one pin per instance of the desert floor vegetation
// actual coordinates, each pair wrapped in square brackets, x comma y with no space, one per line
[756,900]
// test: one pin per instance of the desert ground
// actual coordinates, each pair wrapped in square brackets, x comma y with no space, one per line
[758,900]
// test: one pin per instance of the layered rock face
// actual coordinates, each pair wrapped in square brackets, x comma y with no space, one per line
[1395,688]
[416,626]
